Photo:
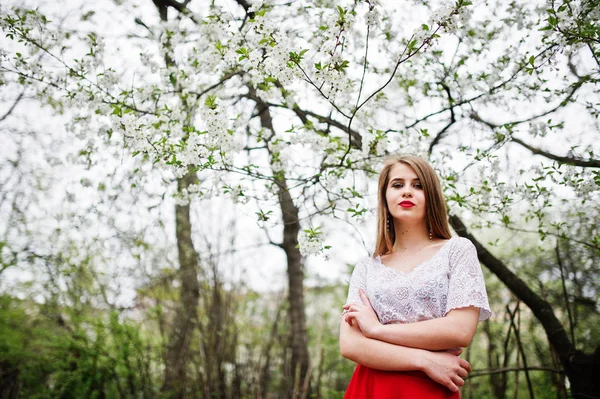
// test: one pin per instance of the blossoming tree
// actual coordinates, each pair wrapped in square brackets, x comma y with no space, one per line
[306,98]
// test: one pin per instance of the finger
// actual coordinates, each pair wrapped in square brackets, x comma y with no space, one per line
[364,297]
[346,306]
[458,381]
[464,364]
[351,315]
[462,373]
[451,385]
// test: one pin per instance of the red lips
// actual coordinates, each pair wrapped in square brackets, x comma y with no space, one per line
[406,204]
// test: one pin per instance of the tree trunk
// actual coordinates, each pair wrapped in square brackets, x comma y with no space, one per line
[299,373]
[186,318]
[581,369]
[498,383]
[300,356]
[178,351]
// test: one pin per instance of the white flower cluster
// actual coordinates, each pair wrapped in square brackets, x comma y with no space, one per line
[538,129]
[570,18]
[146,94]
[148,60]
[446,16]
[77,97]
[194,151]
[441,15]
[373,17]
[257,5]
[171,35]
[329,180]
[333,82]
[281,162]
[314,141]
[381,144]
[185,196]
[3,56]
[581,182]
[268,60]
[276,63]
[108,79]
[96,53]
[27,20]
[218,134]
[309,244]
[135,131]
[237,194]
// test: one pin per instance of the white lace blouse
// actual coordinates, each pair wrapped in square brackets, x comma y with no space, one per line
[451,279]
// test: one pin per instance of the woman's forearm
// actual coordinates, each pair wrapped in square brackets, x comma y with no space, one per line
[377,354]
[445,368]
[453,331]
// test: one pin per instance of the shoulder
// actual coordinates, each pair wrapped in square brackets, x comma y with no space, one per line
[461,249]
[462,243]
[364,263]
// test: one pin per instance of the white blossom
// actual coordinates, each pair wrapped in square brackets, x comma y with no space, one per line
[309,244]
[329,180]
[372,17]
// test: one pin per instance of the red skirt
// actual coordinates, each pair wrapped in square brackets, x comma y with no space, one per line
[368,383]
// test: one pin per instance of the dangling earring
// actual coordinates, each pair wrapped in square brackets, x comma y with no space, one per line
[389,227]
[430,235]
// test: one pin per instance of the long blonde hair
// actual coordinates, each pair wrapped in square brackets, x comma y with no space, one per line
[436,215]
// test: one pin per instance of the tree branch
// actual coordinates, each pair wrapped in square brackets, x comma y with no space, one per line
[520,345]
[442,132]
[479,373]
[492,90]
[356,137]
[12,108]
[557,336]
[584,163]
[565,293]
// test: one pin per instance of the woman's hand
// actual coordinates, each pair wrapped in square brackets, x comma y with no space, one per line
[447,368]
[364,315]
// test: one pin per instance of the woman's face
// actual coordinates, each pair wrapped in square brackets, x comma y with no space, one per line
[404,194]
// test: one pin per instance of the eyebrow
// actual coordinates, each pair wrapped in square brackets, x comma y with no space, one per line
[402,179]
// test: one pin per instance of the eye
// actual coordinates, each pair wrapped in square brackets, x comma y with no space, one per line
[418,185]
[397,185]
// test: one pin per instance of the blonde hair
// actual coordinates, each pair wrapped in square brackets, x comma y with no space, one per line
[436,215]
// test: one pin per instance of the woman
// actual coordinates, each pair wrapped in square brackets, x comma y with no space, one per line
[417,301]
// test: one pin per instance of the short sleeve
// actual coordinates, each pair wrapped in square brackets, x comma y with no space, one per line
[466,286]
[357,281]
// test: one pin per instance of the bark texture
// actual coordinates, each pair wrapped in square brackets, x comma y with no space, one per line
[177,354]
[299,372]
[186,317]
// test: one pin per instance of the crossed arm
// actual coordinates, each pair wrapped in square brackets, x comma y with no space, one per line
[455,330]
[412,346]
[445,367]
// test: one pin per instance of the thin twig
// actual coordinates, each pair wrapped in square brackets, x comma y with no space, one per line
[11,109]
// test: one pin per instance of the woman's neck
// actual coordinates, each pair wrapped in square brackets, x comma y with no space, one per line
[410,236]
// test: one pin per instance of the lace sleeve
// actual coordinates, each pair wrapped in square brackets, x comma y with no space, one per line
[358,280]
[466,286]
